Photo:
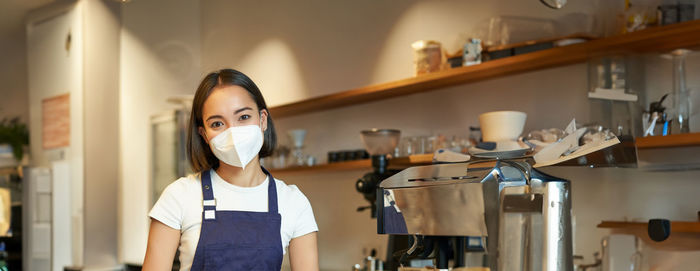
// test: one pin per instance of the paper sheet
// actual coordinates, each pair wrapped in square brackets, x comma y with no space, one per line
[583,150]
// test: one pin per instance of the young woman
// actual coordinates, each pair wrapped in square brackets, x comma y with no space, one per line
[232,215]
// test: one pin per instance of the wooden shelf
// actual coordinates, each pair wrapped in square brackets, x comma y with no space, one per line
[339,166]
[685,235]
[680,140]
[624,154]
[658,39]
[676,226]
[412,160]
[365,164]
[9,170]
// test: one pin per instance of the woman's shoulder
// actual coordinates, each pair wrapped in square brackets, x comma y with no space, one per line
[286,188]
[185,183]
[289,191]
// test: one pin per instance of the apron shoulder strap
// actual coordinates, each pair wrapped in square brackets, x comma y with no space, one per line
[271,193]
[207,191]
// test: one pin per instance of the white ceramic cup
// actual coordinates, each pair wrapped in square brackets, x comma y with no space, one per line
[502,125]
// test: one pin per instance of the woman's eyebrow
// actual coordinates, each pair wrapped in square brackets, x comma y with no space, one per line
[237,111]
[242,109]
[214,116]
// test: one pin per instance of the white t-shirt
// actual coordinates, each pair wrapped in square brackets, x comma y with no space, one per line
[180,207]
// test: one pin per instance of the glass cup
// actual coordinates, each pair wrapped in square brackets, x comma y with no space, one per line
[694,116]
[423,144]
[406,147]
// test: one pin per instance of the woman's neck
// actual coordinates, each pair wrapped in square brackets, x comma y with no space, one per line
[251,176]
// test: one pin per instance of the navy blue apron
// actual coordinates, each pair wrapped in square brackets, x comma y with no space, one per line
[238,240]
[394,222]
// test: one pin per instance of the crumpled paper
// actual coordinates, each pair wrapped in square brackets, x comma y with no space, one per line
[568,148]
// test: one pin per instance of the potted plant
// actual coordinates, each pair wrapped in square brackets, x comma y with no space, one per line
[15,134]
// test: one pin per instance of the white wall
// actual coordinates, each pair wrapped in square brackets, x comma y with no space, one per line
[296,50]
[160,57]
[74,48]
[13,73]
[101,104]
[55,69]
[321,47]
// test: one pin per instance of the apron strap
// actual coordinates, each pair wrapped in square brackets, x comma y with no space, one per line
[208,200]
[209,203]
[271,193]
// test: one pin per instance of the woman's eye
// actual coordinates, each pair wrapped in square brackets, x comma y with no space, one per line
[244,117]
[216,124]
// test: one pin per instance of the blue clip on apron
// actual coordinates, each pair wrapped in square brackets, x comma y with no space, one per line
[237,240]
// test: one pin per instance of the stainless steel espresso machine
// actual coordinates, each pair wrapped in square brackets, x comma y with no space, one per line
[522,215]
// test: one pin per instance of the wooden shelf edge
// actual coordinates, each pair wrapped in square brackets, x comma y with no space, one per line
[10,170]
[657,39]
[395,163]
[412,160]
[339,166]
[685,235]
[679,140]
[676,226]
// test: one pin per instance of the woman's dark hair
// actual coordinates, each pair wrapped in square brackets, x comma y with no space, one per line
[198,150]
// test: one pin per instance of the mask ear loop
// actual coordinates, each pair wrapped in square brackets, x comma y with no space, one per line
[261,120]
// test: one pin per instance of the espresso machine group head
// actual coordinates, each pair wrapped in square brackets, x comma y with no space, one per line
[380,143]
[523,215]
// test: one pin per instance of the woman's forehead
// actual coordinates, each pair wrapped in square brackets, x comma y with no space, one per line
[227,98]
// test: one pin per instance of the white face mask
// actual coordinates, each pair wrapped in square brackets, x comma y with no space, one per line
[237,146]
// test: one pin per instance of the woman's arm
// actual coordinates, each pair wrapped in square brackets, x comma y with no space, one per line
[162,244]
[303,253]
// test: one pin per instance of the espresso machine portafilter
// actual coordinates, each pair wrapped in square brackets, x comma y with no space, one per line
[523,215]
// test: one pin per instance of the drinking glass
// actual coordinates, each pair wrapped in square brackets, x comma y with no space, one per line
[681,103]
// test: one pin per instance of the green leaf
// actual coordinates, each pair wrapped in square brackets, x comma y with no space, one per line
[16,134]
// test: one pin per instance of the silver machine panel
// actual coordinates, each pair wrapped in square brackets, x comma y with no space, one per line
[523,214]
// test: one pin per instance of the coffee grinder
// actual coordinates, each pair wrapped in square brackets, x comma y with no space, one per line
[380,143]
